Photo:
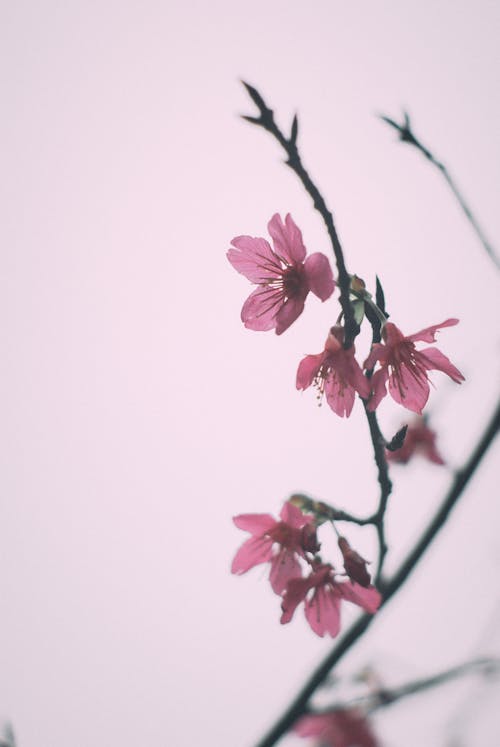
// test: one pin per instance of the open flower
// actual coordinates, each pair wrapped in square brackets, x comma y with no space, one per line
[345,727]
[406,368]
[322,595]
[279,542]
[419,439]
[283,274]
[334,372]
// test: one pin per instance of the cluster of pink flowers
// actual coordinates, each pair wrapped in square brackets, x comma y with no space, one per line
[284,277]
[290,545]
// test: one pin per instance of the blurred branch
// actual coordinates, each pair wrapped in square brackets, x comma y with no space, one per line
[383,697]
[407,135]
[299,705]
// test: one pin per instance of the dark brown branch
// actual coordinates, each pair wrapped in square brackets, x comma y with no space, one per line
[407,135]
[266,120]
[299,704]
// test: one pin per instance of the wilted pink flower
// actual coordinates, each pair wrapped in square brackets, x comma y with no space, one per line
[406,368]
[279,542]
[322,606]
[419,439]
[283,277]
[334,372]
[346,727]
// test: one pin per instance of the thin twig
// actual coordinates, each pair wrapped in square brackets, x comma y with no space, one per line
[407,135]
[389,589]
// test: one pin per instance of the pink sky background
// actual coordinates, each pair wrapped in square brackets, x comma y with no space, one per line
[139,415]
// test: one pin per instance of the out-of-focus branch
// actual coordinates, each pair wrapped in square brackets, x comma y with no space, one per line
[299,705]
[407,135]
[383,697]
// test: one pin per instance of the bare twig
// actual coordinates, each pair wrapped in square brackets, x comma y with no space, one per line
[407,135]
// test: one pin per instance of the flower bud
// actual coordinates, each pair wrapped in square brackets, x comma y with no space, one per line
[354,564]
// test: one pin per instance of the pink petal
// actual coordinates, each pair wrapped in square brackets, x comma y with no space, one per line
[255,523]
[368,598]
[284,567]
[260,309]
[409,387]
[295,593]
[254,259]
[287,239]
[293,516]
[252,552]
[350,370]
[377,352]
[323,612]
[319,275]
[378,382]
[429,333]
[434,360]
[313,726]
[307,370]
[288,313]
[340,396]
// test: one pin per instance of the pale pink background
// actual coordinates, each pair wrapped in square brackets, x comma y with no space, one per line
[138,415]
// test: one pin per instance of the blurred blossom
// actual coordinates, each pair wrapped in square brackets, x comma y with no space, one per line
[341,728]
[419,439]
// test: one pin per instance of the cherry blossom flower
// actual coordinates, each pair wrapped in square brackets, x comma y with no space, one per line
[283,274]
[419,439]
[346,727]
[281,543]
[334,372]
[354,564]
[322,607]
[406,368]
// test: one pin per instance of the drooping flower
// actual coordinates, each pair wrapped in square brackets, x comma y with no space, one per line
[322,595]
[281,543]
[406,368]
[419,439]
[334,372]
[283,274]
[346,727]
[354,564]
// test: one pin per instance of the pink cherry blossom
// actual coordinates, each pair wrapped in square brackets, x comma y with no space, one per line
[283,274]
[322,606]
[419,439]
[406,368]
[281,543]
[334,372]
[346,727]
